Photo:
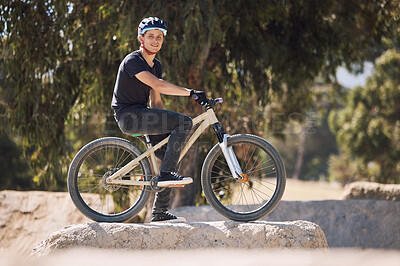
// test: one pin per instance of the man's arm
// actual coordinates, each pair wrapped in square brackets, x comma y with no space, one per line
[155,100]
[161,86]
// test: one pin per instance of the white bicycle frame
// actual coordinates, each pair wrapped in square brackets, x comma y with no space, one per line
[206,119]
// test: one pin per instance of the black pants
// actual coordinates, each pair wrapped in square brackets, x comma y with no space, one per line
[158,124]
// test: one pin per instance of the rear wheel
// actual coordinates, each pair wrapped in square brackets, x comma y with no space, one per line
[259,190]
[88,188]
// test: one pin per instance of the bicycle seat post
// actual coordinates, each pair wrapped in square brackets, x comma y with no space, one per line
[147,139]
[156,169]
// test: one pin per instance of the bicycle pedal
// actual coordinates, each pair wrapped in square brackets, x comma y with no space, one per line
[176,186]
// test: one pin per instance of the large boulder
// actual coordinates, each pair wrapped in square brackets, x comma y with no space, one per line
[346,223]
[370,190]
[297,234]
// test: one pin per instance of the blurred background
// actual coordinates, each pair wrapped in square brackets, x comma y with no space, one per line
[320,80]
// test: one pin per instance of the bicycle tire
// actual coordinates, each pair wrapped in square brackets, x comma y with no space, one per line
[221,189]
[88,170]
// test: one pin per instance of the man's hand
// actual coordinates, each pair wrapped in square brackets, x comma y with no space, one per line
[156,100]
[199,96]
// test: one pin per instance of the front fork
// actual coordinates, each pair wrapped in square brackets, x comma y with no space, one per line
[228,152]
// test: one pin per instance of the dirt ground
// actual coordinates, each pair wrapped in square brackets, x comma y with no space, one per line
[311,190]
[26,218]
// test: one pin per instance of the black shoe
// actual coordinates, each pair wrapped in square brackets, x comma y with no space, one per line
[166,217]
[172,179]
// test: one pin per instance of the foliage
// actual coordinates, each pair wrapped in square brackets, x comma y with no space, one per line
[15,172]
[369,126]
[345,169]
[60,60]
[318,144]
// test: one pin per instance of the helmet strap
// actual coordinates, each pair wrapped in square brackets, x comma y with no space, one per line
[147,51]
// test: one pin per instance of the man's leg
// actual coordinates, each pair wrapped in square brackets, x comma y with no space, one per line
[169,155]
[155,122]
[162,198]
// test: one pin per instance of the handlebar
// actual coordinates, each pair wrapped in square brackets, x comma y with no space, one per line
[212,102]
[208,103]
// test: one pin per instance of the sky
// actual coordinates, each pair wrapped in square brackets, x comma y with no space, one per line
[349,80]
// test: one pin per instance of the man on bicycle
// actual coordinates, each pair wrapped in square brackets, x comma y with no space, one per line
[138,80]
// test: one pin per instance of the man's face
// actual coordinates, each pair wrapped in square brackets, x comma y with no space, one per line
[153,40]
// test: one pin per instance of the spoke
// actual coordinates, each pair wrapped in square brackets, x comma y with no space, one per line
[265,179]
[218,160]
[261,163]
[123,161]
[93,203]
[262,192]
[108,206]
[254,199]
[223,170]
[270,172]
[101,156]
[258,196]
[242,196]
[245,199]
[228,191]
[245,156]
[93,160]
[222,180]
[136,197]
[272,190]
[256,179]
[249,158]
[218,176]
[90,189]
[119,157]
[88,173]
[255,161]
[233,202]
[105,158]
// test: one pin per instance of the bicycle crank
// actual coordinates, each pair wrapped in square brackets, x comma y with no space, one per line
[153,185]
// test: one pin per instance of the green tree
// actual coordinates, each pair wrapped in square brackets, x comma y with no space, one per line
[307,146]
[15,171]
[368,127]
[60,59]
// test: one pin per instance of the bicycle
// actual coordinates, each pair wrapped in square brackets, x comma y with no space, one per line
[243,176]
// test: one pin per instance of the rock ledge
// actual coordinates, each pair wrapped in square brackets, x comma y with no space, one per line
[229,234]
[371,190]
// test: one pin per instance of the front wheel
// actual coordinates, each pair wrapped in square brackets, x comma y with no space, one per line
[88,186]
[250,198]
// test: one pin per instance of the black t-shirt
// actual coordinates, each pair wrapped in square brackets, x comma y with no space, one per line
[128,89]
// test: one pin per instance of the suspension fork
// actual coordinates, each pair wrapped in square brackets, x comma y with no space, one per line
[228,152]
